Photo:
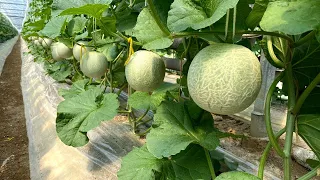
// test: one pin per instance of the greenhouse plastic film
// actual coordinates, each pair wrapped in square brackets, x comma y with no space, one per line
[5,50]
[49,157]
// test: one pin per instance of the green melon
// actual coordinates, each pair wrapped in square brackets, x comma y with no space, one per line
[145,71]
[46,42]
[94,64]
[79,51]
[62,51]
[224,78]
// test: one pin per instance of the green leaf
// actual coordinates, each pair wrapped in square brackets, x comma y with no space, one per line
[188,165]
[63,4]
[309,130]
[76,25]
[59,70]
[312,104]
[306,63]
[54,27]
[149,33]
[255,16]
[76,88]
[162,7]
[197,14]
[236,175]
[295,17]
[139,164]
[143,100]
[312,163]
[79,114]
[94,10]
[173,131]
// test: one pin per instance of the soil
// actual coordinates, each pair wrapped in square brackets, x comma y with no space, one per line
[250,148]
[14,157]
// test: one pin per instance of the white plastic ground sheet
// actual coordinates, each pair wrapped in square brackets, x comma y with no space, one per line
[5,50]
[50,159]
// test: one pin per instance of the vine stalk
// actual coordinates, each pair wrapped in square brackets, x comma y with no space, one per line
[265,154]
[290,123]
[213,174]
[267,119]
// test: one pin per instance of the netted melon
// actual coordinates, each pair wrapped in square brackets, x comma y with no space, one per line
[94,64]
[224,78]
[145,71]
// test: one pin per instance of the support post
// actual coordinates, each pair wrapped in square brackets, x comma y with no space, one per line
[257,126]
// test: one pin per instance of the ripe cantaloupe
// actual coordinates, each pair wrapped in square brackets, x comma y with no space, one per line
[145,71]
[224,78]
[94,64]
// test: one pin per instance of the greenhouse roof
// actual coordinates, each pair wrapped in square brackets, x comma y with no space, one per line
[15,10]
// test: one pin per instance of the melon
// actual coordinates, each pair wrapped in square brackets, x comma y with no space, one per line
[60,51]
[79,51]
[46,42]
[224,78]
[36,42]
[94,64]
[145,71]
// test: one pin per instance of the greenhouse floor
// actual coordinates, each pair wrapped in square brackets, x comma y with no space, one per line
[14,157]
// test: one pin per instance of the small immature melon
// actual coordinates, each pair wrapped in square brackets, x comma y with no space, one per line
[46,42]
[145,71]
[224,78]
[36,42]
[94,64]
[79,51]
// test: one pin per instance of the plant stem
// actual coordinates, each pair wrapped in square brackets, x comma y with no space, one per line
[144,114]
[265,154]
[310,174]
[185,34]
[234,23]
[226,28]
[272,54]
[121,89]
[111,78]
[290,123]
[305,94]
[267,119]
[155,16]
[305,39]
[213,174]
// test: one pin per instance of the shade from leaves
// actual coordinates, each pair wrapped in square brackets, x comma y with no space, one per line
[188,165]
[79,114]
[173,130]
[54,27]
[197,14]
[294,17]
[149,33]
[236,175]
[309,130]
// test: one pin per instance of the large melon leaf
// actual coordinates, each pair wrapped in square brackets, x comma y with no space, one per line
[188,165]
[79,114]
[174,129]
